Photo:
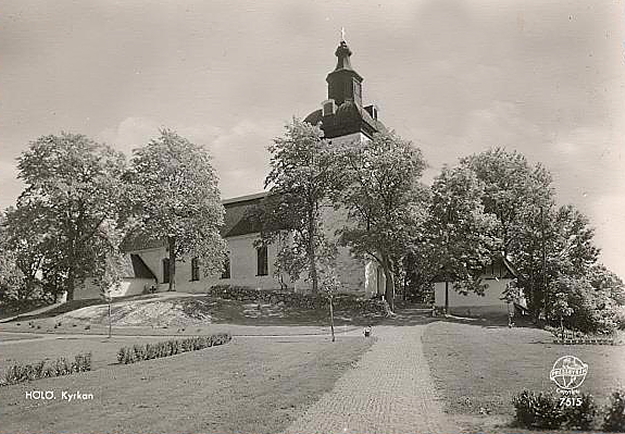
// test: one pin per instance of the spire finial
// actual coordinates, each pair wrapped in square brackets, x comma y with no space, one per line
[342,35]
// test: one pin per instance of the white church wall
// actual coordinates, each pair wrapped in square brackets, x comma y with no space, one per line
[473,304]
[349,138]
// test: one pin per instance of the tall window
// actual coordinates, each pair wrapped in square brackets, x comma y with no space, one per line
[261,260]
[225,274]
[195,269]
[165,270]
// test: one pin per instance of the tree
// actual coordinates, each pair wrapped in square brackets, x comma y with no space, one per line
[73,186]
[550,244]
[512,187]
[591,310]
[602,279]
[110,274]
[23,232]
[384,201]
[459,233]
[11,277]
[542,241]
[331,285]
[302,175]
[175,198]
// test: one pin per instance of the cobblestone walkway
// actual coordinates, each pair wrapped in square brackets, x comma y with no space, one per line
[390,392]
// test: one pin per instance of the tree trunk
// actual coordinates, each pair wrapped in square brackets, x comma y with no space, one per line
[311,253]
[172,263]
[446,297]
[389,287]
[71,282]
[332,319]
[110,325]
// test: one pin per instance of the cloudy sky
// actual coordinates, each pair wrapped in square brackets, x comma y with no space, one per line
[453,76]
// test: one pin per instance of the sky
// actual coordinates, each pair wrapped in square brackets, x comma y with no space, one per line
[454,77]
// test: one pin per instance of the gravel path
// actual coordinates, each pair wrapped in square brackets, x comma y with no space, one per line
[390,391]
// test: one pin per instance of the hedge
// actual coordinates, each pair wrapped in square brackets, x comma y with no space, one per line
[20,373]
[137,353]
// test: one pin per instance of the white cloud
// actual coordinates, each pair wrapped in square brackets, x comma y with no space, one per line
[239,152]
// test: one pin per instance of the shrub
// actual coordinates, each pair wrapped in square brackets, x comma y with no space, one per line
[545,411]
[583,415]
[592,310]
[537,410]
[614,419]
[168,348]
[20,373]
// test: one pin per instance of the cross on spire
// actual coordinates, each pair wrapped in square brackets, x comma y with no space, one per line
[342,35]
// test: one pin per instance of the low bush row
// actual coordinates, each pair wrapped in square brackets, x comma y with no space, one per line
[578,412]
[342,302]
[20,373]
[137,353]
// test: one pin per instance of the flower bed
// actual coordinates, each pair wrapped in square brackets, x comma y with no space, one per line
[586,341]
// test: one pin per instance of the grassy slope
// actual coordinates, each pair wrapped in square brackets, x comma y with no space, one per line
[174,314]
[252,385]
[475,366]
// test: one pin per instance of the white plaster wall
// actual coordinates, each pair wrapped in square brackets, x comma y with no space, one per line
[492,295]
[350,138]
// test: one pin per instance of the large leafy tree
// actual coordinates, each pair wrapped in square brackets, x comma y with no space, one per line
[384,200]
[174,197]
[513,189]
[73,187]
[303,174]
[458,232]
[543,242]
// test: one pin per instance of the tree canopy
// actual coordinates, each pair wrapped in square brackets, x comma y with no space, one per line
[303,174]
[174,197]
[384,199]
[64,214]
[458,232]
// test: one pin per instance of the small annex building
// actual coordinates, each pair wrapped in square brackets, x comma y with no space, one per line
[496,276]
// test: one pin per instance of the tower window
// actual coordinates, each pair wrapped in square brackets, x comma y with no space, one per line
[357,92]
[328,107]
[195,269]
[261,261]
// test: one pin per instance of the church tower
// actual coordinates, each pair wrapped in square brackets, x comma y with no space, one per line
[342,116]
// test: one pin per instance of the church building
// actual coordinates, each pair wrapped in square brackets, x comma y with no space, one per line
[343,118]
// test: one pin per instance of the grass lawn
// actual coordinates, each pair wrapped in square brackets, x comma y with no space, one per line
[483,367]
[251,385]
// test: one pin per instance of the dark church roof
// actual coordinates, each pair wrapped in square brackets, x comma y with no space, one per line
[241,215]
[343,113]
